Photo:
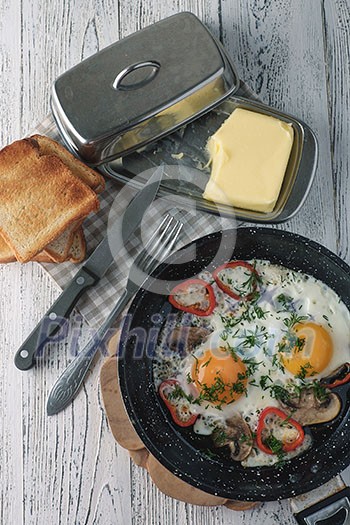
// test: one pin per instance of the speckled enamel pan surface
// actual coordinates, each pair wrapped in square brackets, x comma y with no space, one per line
[180,450]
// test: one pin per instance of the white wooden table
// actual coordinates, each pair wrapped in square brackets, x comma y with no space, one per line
[295,55]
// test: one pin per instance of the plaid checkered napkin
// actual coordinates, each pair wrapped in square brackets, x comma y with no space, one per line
[97,302]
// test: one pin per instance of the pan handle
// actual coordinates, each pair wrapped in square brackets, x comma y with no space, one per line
[334,510]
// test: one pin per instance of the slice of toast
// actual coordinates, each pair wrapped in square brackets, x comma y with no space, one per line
[7,255]
[39,198]
[48,146]
[59,248]
[77,252]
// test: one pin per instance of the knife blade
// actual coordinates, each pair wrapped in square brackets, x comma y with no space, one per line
[90,273]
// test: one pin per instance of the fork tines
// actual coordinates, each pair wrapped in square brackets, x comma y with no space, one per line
[160,244]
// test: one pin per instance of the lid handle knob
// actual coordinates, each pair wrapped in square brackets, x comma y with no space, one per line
[122,83]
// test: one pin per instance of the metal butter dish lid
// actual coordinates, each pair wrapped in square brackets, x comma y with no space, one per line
[141,88]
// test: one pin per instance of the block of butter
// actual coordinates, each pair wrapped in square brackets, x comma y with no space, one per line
[249,154]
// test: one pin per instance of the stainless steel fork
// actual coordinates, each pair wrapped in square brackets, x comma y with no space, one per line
[158,247]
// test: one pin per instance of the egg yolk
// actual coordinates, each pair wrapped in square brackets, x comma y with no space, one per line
[219,376]
[312,350]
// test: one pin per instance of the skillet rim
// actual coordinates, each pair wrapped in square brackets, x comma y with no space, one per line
[322,463]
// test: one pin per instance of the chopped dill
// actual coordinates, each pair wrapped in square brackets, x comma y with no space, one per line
[276,447]
[207,362]
[264,382]
[285,301]
[304,371]
[294,319]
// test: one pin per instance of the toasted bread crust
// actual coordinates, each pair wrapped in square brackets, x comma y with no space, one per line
[39,198]
[42,257]
[48,146]
[76,252]
[7,255]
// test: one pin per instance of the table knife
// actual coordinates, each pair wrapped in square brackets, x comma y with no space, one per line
[91,272]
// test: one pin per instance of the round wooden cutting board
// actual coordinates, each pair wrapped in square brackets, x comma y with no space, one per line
[125,435]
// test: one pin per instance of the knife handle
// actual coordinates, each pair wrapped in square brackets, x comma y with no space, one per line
[53,320]
[68,384]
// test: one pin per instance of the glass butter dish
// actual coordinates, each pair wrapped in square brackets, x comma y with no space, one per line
[155,98]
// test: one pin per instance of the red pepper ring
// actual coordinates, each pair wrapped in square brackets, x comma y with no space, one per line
[340,376]
[287,447]
[339,382]
[227,289]
[193,308]
[178,409]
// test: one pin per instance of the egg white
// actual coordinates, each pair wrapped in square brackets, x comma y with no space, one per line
[309,297]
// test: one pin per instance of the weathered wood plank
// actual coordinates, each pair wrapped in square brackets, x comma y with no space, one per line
[10,72]
[11,468]
[278,48]
[67,469]
[79,476]
[337,57]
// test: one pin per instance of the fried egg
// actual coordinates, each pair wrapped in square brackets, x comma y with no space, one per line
[219,376]
[296,330]
[312,349]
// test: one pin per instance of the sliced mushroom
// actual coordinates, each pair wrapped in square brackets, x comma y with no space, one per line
[184,339]
[308,409]
[237,435]
[339,376]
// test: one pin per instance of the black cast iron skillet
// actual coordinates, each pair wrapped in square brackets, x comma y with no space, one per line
[180,450]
